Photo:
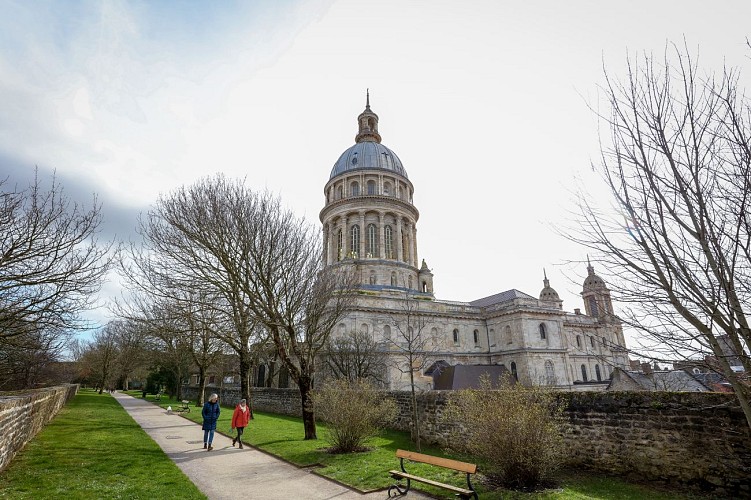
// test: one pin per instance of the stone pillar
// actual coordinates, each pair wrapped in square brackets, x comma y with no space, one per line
[414,246]
[345,234]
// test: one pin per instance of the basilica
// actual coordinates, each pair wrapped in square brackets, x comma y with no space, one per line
[370,229]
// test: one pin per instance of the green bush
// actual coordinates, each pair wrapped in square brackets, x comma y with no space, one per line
[514,430]
[353,411]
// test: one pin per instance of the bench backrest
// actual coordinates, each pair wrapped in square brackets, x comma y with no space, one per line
[439,461]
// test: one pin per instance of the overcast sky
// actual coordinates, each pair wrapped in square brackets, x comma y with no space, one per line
[484,102]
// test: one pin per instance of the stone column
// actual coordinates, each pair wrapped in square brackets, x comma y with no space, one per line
[414,246]
[345,233]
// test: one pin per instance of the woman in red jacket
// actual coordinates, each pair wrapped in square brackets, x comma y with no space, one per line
[240,420]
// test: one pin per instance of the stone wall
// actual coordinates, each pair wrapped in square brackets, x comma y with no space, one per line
[698,440]
[22,416]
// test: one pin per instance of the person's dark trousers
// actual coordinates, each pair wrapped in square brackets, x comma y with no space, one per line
[238,439]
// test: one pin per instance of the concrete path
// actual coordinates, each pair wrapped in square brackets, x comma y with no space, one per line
[230,473]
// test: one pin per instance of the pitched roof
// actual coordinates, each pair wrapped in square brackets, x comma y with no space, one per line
[501,297]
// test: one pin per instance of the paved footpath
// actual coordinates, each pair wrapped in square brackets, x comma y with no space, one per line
[228,472]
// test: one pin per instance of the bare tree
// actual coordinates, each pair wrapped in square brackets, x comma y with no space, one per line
[51,264]
[678,167]
[414,350]
[356,356]
[101,355]
[192,247]
[258,264]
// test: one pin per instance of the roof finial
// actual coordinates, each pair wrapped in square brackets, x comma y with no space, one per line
[367,98]
[590,269]
[545,278]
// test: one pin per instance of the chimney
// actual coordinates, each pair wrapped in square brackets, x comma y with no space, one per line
[577,311]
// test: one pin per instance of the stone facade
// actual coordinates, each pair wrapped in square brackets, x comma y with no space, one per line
[698,440]
[22,416]
[370,229]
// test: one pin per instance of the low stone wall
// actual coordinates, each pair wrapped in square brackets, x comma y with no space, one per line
[22,416]
[698,440]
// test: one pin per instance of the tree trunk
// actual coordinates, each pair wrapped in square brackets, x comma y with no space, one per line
[415,413]
[308,414]
[245,363]
[201,386]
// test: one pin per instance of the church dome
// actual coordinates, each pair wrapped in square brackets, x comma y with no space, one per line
[368,155]
[548,293]
[368,152]
[592,280]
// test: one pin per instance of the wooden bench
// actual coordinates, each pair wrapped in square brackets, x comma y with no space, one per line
[446,463]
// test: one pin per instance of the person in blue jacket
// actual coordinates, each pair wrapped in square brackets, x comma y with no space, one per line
[210,414]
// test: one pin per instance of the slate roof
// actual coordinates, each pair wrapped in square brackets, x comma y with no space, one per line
[501,297]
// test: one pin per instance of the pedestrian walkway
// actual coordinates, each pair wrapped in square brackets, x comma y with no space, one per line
[228,472]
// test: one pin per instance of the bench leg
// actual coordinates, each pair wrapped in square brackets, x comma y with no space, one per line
[401,489]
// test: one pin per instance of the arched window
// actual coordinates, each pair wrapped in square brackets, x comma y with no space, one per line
[388,244]
[364,328]
[372,241]
[387,188]
[434,336]
[386,332]
[507,335]
[579,341]
[592,341]
[283,378]
[261,379]
[354,189]
[584,373]
[456,336]
[476,336]
[594,311]
[371,187]
[597,373]
[425,287]
[393,278]
[604,342]
[542,331]
[339,245]
[354,241]
[405,247]
[372,278]
[549,373]
[409,282]
[342,329]
[410,333]
[339,192]
[513,371]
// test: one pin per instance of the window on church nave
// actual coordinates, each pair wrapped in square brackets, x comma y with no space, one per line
[592,341]
[584,373]
[476,336]
[371,187]
[513,371]
[549,373]
[386,332]
[354,189]
[578,341]
[456,336]
[597,373]
[542,331]
[507,335]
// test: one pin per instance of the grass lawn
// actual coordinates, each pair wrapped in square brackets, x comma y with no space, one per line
[282,436]
[94,449]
